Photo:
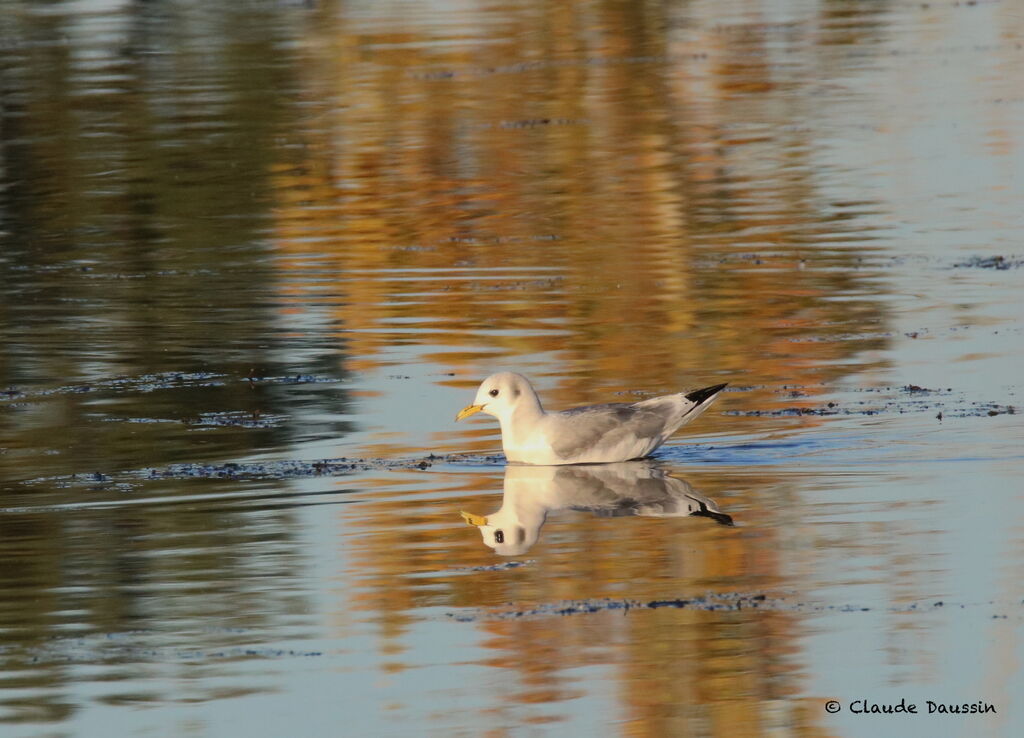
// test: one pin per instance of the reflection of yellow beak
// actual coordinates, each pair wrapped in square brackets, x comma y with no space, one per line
[468,410]
[472,519]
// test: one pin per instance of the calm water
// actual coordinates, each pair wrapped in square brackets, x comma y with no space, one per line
[254,257]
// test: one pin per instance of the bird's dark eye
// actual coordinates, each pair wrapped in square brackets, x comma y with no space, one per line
[499,536]
[493,393]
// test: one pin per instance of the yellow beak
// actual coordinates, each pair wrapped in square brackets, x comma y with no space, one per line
[472,519]
[468,410]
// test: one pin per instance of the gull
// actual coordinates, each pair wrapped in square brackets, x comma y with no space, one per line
[607,490]
[595,434]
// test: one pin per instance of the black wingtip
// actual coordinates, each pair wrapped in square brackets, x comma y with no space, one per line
[702,395]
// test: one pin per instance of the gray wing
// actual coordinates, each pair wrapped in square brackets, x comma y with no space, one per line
[584,429]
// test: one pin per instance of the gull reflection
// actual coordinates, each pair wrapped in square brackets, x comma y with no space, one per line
[607,490]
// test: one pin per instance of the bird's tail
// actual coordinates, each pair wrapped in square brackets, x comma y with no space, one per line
[682,408]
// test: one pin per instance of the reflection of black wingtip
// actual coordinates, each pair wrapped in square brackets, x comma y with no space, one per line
[706,512]
[702,395]
[719,517]
[723,519]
